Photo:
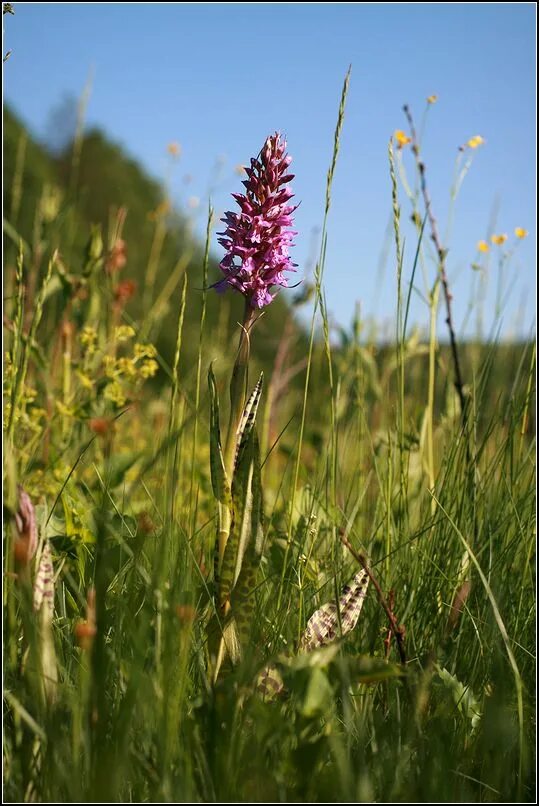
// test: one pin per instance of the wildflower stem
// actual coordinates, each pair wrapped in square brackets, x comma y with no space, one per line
[397,630]
[318,277]
[238,387]
[238,395]
[441,252]
[176,412]
[199,360]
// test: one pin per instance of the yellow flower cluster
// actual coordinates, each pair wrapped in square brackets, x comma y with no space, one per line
[124,333]
[401,138]
[85,381]
[148,368]
[500,239]
[432,99]
[174,149]
[65,411]
[29,394]
[476,141]
[144,351]
[115,393]
[126,366]
[109,365]
[126,371]
[88,339]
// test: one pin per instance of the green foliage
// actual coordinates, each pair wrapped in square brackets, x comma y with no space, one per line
[111,690]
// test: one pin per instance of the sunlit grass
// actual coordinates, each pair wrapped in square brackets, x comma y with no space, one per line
[118,697]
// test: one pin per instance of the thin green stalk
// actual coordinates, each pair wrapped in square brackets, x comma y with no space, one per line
[79,134]
[150,274]
[20,378]
[238,387]
[435,296]
[176,418]
[458,179]
[319,273]
[16,348]
[441,254]
[199,360]
[238,397]
[160,306]
[333,405]
[66,336]
[359,381]
[401,335]
[389,496]
[524,425]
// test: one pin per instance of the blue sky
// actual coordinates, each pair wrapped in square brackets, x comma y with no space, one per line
[219,77]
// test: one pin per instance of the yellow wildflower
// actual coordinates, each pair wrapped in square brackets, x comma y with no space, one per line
[85,380]
[149,368]
[401,138]
[482,246]
[124,332]
[432,99]
[88,336]
[65,411]
[499,240]
[520,232]
[144,351]
[109,366]
[29,394]
[126,366]
[476,141]
[174,149]
[115,393]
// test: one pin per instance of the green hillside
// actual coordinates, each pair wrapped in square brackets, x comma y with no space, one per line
[63,199]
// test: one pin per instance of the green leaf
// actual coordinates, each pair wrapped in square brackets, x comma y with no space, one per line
[119,464]
[464,698]
[366,669]
[238,573]
[248,419]
[243,596]
[318,694]
[241,528]
[320,657]
[243,592]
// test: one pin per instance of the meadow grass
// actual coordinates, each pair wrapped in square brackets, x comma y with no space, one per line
[109,694]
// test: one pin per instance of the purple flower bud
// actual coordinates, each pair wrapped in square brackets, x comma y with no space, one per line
[255,239]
